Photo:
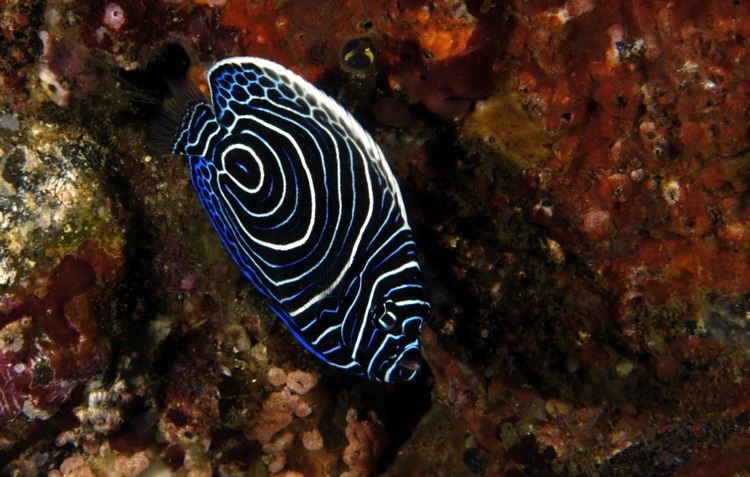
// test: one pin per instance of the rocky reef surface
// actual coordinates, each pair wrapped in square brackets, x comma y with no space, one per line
[578,177]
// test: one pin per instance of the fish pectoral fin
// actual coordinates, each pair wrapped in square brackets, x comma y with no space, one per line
[183,122]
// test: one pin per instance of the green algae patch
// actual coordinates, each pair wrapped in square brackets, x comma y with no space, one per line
[51,200]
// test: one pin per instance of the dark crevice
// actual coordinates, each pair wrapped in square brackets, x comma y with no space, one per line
[171,62]
[403,410]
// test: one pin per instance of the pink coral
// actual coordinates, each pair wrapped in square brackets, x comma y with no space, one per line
[114,16]
[279,411]
[286,402]
[276,376]
[367,438]
[312,440]
[132,465]
[301,382]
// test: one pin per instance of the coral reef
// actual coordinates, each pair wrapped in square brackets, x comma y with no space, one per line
[61,257]
[46,352]
[667,193]
[278,412]
[577,174]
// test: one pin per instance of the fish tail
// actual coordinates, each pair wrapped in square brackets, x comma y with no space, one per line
[169,130]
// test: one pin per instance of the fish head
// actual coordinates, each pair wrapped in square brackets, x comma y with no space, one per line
[386,343]
[395,348]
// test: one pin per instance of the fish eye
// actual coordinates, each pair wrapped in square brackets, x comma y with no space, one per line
[383,315]
[358,55]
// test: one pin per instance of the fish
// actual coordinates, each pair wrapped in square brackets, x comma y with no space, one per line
[306,205]
[358,56]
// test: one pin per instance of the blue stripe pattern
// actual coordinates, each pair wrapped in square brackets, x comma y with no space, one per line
[306,205]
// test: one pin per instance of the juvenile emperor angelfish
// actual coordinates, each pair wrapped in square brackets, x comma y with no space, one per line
[306,205]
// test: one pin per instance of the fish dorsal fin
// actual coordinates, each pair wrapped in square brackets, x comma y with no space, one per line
[242,85]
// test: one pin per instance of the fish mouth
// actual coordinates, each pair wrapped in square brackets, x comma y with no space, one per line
[407,365]
[410,365]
